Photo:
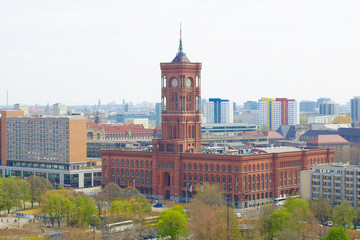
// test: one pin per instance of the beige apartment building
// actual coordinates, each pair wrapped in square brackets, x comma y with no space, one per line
[335,182]
[48,146]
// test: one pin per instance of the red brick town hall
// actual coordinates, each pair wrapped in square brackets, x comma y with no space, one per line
[177,164]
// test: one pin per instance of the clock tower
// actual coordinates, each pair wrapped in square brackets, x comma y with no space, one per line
[181,105]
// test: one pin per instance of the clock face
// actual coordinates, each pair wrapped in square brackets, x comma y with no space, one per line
[188,82]
[174,82]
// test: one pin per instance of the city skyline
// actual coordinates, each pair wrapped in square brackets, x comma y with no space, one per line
[76,53]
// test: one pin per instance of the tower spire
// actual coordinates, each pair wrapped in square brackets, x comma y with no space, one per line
[180,56]
[180,44]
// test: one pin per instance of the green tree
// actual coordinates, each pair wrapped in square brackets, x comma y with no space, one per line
[321,210]
[25,190]
[112,190]
[130,192]
[173,222]
[343,214]
[209,194]
[57,207]
[38,186]
[86,209]
[274,222]
[10,193]
[120,207]
[337,234]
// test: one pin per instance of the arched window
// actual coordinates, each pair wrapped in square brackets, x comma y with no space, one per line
[206,168]
[195,166]
[249,183]
[236,169]
[262,181]
[281,179]
[224,182]
[217,168]
[206,178]
[270,179]
[200,167]
[137,163]
[223,168]
[212,179]
[266,181]
[285,178]
[201,178]
[254,183]
[258,167]
[262,166]
[229,169]
[229,185]
[258,182]
[184,180]
[190,178]
[147,163]
[253,167]
[266,166]
[195,178]
[290,178]
[245,168]
[212,167]
[189,166]
[218,179]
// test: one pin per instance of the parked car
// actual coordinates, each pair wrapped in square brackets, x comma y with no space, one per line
[330,224]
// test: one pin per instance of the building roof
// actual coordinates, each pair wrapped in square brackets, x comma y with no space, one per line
[278,149]
[121,129]
[355,132]
[180,56]
[314,133]
[273,135]
[328,139]
[93,126]
[288,131]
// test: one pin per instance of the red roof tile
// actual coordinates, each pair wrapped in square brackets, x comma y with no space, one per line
[274,135]
[328,139]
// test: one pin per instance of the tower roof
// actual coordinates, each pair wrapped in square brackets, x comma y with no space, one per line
[180,56]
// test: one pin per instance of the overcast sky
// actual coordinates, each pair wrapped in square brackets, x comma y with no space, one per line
[79,51]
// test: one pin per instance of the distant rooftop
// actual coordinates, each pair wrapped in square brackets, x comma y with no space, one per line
[279,149]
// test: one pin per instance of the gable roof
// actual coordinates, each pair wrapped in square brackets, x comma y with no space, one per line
[273,135]
[314,133]
[328,139]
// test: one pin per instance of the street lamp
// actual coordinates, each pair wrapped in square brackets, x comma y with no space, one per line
[93,218]
[228,203]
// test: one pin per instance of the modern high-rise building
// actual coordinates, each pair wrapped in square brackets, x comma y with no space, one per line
[329,108]
[219,110]
[307,106]
[250,105]
[51,147]
[355,110]
[322,100]
[278,112]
